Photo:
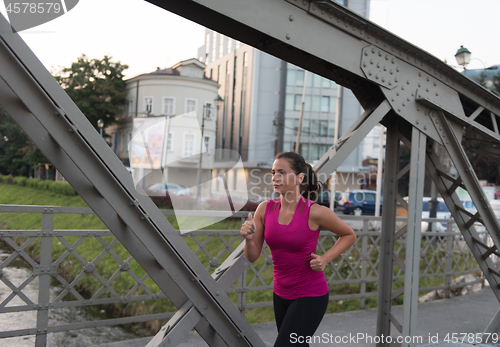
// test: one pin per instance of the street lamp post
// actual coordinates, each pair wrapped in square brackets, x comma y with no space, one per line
[463,56]
[206,109]
[100,125]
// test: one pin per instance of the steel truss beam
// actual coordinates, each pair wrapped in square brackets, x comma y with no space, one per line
[48,116]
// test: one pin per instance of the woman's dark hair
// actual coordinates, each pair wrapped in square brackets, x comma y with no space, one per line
[310,186]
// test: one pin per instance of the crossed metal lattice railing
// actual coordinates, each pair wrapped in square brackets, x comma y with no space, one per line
[118,278]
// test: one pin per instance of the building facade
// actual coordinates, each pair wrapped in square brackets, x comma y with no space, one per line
[262,101]
[185,97]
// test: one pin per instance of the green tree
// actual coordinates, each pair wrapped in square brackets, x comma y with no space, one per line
[17,152]
[96,86]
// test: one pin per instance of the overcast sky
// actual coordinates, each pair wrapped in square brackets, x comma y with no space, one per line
[144,37]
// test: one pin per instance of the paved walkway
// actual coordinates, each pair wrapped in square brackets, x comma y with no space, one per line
[464,314]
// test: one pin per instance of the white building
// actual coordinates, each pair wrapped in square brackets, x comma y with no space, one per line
[182,94]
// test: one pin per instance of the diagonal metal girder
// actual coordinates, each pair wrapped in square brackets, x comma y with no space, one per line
[336,155]
[45,112]
[187,317]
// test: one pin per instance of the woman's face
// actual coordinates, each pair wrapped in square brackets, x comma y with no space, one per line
[284,178]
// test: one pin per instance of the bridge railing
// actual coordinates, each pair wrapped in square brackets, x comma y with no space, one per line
[82,268]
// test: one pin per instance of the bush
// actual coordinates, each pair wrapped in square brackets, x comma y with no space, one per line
[20,181]
[62,188]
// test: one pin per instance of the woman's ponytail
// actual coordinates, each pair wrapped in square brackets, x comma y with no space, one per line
[311,184]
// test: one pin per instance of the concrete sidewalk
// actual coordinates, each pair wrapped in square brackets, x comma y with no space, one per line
[464,314]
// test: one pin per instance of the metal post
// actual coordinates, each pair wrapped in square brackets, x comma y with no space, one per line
[449,256]
[387,232]
[42,319]
[364,263]
[198,190]
[413,234]
[297,143]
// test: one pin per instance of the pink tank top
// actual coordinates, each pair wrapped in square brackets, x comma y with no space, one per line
[291,246]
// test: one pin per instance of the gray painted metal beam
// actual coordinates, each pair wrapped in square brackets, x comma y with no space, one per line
[413,234]
[388,231]
[336,155]
[44,111]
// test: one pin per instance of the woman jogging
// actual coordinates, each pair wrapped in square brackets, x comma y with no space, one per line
[290,225]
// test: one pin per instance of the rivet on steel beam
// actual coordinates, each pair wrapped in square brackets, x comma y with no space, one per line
[437,94]
[371,61]
[419,74]
[378,65]
[314,8]
[386,57]
[290,18]
[385,68]
[397,69]
[418,108]
[404,104]
[379,53]
[288,36]
[402,87]
[383,79]
[373,50]
[304,2]
[392,99]
[391,72]
[369,73]
[366,53]
[428,79]
[427,89]
[418,121]
[399,110]
[425,128]
[330,16]
[390,83]
[397,93]
[364,64]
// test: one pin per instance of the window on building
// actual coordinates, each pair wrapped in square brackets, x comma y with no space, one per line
[319,128]
[331,128]
[148,105]
[289,126]
[209,110]
[170,142]
[206,143]
[317,151]
[297,102]
[306,126]
[325,104]
[316,103]
[168,106]
[300,78]
[290,77]
[303,149]
[218,73]
[192,72]
[131,108]
[230,43]
[190,105]
[289,102]
[211,73]
[317,81]
[188,145]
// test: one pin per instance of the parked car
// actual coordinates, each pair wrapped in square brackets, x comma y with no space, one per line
[161,189]
[359,202]
[324,198]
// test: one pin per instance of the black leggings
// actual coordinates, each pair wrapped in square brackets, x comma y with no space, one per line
[297,319]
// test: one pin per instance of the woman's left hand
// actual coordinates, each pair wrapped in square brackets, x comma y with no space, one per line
[317,262]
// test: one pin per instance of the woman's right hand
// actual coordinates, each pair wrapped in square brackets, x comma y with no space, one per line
[248,228]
